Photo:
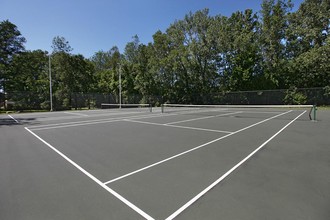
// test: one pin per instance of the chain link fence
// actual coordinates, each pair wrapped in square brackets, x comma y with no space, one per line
[292,96]
[21,101]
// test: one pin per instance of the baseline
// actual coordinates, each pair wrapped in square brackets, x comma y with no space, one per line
[193,149]
[198,196]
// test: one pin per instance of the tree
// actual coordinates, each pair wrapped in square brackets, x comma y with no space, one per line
[145,80]
[162,67]
[242,54]
[101,60]
[308,45]
[72,74]
[28,83]
[310,69]
[11,43]
[107,66]
[60,44]
[194,56]
[83,78]
[274,24]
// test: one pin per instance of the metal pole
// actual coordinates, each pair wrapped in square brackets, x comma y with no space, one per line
[50,86]
[119,86]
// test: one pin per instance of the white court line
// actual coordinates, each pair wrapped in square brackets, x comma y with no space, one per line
[114,193]
[78,122]
[70,123]
[195,119]
[13,119]
[193,149]
[75,125]
[93,115]
[75,113]
[177,126]
[91,122]
[190,202]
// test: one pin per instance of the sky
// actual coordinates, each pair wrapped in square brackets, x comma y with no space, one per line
[95,25]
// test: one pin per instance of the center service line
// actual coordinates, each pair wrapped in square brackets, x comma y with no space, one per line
[189,203]
[114,193]
[193,149]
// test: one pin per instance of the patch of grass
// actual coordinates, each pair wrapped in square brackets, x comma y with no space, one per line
[21,111]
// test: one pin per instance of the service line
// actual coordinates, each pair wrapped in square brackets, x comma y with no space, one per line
[178,126]
[190,202]
[193,149]
[206,117]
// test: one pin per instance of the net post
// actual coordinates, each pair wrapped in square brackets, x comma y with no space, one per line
[150,107]
[314,112]
[162,108]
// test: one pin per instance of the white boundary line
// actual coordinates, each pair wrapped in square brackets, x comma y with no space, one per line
[13,118]
[91,116]
[190,202]
[193,149]
[195,119]
[89,122]
[118,196]
[70,123]
[177,126]
[75,124]
[78,123]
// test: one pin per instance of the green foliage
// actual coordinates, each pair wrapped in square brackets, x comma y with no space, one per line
[293,97]
[60,44]
[27,82]
[195,58]
[70,74]
[11,43]
[327,91]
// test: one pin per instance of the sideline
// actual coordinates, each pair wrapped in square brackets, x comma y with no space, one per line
[199,195]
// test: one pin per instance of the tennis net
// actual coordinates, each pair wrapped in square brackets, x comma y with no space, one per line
[147,107]
[253,111]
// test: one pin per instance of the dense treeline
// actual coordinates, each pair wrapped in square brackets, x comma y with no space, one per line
[199,55]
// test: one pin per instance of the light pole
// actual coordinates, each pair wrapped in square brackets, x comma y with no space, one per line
[119,86]
[50,85]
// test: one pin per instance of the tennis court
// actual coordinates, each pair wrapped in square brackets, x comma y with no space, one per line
[166,163]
